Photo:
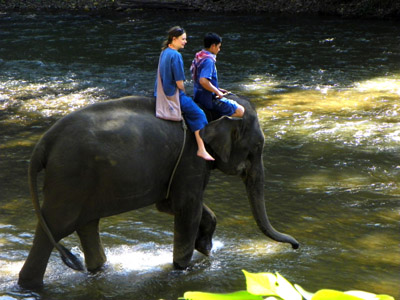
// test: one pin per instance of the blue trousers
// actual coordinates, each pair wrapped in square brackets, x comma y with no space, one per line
[193,114]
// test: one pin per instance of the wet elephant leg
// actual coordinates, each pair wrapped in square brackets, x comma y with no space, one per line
[31,274]
[207,226]
[186,226]
[206,230]
[92,246]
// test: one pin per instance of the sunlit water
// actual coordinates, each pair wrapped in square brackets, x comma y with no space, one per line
[327,93]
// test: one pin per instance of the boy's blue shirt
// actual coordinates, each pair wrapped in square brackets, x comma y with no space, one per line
[206,69]
[171,70]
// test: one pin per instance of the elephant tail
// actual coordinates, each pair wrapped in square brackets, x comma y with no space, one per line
[38,163]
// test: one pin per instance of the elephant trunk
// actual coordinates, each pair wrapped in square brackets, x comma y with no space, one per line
[254,181]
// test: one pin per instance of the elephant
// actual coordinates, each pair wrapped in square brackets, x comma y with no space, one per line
[115,156]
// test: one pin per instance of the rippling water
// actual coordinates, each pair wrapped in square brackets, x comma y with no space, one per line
[327,93]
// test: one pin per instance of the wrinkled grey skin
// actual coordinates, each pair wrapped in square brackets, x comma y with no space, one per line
[116,156]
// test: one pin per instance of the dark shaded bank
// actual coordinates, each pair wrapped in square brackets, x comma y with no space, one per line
[384,9]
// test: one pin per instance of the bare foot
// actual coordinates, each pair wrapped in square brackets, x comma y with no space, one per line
[205,155]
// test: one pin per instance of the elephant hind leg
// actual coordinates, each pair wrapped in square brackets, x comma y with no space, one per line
[207,227]
[32,272]
[92,246]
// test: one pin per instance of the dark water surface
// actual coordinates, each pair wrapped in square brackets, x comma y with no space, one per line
[327,93]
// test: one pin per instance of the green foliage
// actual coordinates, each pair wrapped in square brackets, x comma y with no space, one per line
[241,295]
[268,284]
[261,285]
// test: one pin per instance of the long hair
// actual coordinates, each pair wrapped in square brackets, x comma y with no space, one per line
[175,31]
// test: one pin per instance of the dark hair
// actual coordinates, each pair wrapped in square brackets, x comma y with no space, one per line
[175,31]
[211,38]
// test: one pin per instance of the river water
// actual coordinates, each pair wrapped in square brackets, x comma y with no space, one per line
[327,93]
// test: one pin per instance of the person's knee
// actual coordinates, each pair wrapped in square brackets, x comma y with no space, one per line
[239,112]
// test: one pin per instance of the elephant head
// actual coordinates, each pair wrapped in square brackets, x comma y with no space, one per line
[238,146]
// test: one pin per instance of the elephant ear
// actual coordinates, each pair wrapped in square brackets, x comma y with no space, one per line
[219,135]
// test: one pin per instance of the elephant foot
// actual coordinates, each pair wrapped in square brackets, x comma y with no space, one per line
[30,284]
[96,264]
[204,251]
[204,245]
[179,267]
[95,270]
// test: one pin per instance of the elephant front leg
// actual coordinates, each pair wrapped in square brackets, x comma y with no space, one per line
[31,274]
[92,246]
[207,227]
[206,230]
[186,226]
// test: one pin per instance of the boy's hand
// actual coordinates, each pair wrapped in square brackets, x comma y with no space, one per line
[220,94]
[223,93]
